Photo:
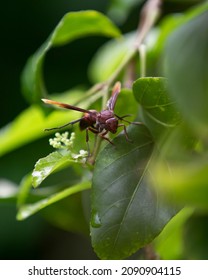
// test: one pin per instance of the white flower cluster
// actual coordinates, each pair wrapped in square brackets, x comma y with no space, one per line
[61,141]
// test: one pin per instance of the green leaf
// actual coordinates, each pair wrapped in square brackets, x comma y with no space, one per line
[49,164]
[24,189]
[184,155]
[169,244]
[120,9]
[29,209]
[187,183]
[126,212]
[173,21]
[158,109]
[31,123]
[126,105]
[68,214]
[73,25]
[29,126]
[195,237]
[186,53]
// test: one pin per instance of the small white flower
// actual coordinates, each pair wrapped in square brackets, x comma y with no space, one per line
[83,153]
[61,141]
[81,157]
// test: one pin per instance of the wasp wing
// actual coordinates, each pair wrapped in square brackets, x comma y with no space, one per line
[115,92]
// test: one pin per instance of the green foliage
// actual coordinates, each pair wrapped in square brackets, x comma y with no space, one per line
[170,243]
[157,109]
[190,90]
[29,209]
[30,124]
[72,26]
[119,9]
[110,56]
[140,183]
[186,148]
[196,230]
[126,213]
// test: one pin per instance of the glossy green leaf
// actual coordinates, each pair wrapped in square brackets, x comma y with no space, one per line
[186,53]
[29,209]
[49,164]
[127,213]
[158,109]
[72,26]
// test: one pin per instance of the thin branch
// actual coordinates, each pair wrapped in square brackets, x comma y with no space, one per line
[142,53]
[149,14]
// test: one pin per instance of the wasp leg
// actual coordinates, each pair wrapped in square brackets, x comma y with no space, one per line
[87,142]
[62,126]
[123,119]
[102,135]
[125,132]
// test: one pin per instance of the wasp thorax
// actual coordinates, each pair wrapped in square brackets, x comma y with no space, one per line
[88,120]
[108,121]
[104,115]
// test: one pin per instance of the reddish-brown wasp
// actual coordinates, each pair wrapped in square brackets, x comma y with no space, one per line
[97,122]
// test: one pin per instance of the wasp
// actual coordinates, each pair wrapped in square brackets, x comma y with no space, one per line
[99,123]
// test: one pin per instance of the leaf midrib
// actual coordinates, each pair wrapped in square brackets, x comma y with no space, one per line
[129,204]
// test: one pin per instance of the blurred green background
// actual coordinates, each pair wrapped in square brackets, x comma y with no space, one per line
[25,25]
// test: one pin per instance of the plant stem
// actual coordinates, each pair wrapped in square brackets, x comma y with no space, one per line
[142,52]
[121,67]
[149,14]
[96,149]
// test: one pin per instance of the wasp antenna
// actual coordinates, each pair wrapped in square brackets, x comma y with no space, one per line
[115,92]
